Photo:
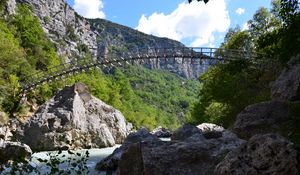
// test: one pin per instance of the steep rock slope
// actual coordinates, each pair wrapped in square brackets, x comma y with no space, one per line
[77,37]
[74,119]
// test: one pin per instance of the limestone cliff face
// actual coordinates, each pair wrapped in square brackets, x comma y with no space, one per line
[74,36]
[69,31]
[73,119]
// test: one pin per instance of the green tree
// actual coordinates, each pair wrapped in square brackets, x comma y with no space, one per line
[237,39]
[40,51]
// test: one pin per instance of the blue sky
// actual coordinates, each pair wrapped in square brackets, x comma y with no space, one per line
[195,24]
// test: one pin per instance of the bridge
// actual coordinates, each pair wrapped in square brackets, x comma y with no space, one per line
[187,55]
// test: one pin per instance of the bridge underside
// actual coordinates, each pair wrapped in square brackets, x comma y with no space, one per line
[155,57]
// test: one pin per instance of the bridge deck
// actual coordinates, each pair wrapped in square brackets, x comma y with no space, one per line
[192,55]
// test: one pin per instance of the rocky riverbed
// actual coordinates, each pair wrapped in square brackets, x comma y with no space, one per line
[260,142]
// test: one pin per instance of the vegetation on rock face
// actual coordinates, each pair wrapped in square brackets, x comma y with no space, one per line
[146,97]
[227,89]
[24,49]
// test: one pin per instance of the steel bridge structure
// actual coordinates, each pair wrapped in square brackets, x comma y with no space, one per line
[187,55]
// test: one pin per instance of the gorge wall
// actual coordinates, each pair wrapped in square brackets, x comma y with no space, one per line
[75,36]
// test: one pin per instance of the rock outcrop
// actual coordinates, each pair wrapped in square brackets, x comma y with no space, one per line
[287,85]
[261,118]
[187,132]
[111,162]
[281,114]
[262,154]
[211,130]
[70,32]
[13,151]
[161,132]
[74,119]
[74,36]
[146,154]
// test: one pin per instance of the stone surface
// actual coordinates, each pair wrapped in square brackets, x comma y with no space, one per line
[287,86]
[11,6]
[262,155]
[208,127]
[111,162]
[68,30]
[13,151]
[5,133]
[161,132]
[259,118]
[74,119]
[187,132]
[176,157]
[74,36]
[211,130]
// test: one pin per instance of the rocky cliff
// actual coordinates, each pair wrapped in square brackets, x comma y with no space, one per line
[74,119]
[76,37]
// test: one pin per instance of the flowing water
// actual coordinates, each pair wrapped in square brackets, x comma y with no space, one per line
[95,155]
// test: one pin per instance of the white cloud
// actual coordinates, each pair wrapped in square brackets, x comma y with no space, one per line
[245,26]
[240,11]
[196,22]
[89,8]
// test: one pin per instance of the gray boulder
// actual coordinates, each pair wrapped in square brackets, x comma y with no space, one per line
[15,151]
[287,85]
[262,155]
[74,119]
[211,130]
[187,132]
[111,162]
[261,118]
[161,132]
[176,157]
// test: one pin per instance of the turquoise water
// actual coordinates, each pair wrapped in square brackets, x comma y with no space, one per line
[95,155]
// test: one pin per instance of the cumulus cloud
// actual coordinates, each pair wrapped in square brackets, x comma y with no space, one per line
[245,26]
[196,22]
[240,11]
[89,8]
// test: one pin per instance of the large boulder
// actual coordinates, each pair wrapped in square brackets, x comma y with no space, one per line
[261,118]
[287,85]
[111,162]
[261,155]
[15,151]
[178,157]
[74,119]
[211,130]
[187,132]
[161,132]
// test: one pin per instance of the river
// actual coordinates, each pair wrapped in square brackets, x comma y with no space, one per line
[95,155]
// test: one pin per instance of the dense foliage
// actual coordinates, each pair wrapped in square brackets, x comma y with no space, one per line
[24,49]
[146,97]
[227,89]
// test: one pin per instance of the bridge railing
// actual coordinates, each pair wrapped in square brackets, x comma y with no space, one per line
[195,55]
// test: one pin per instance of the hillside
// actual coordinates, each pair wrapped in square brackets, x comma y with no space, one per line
[146,97]
[76,37]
